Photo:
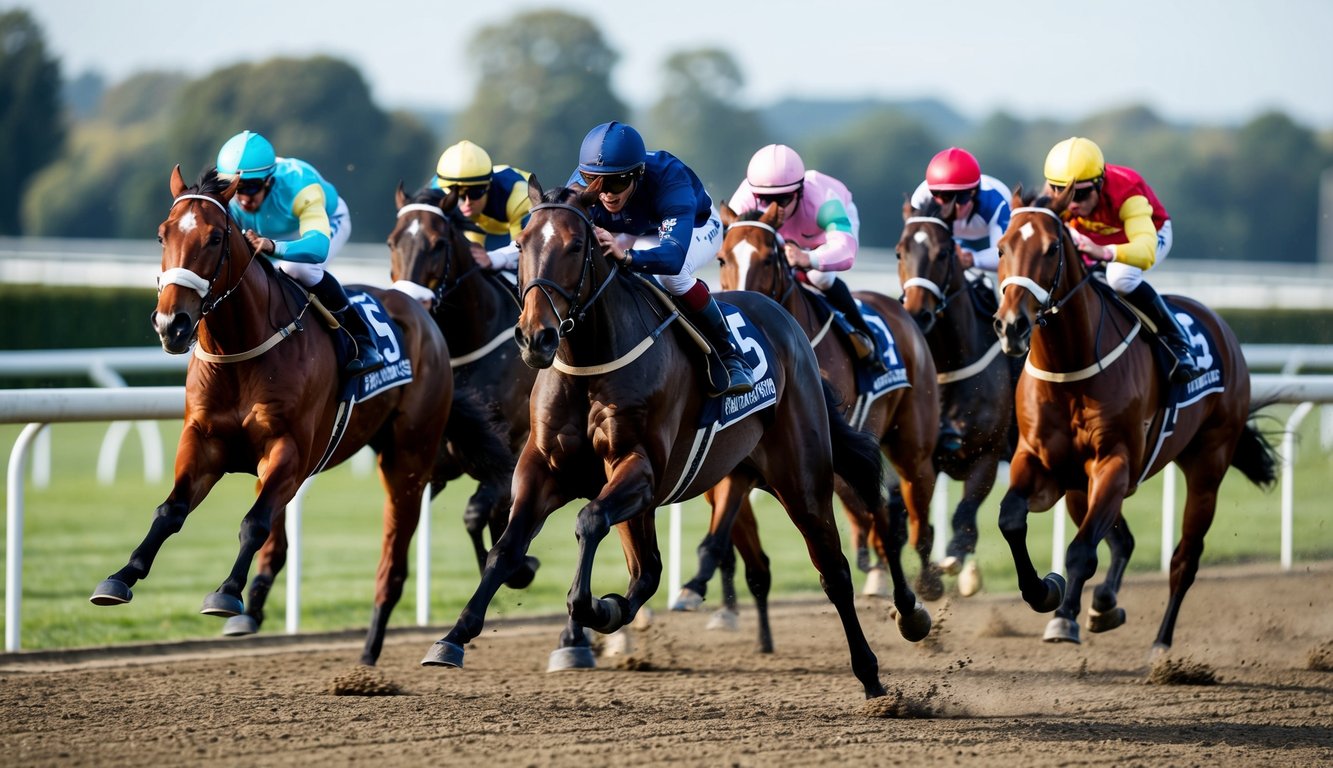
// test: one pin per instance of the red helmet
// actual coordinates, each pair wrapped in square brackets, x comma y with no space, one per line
[952,169]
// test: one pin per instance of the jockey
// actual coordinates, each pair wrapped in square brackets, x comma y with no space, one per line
[291,215]
[819,225]
[494,197]
[653,215]
[977,205]
[1116,217]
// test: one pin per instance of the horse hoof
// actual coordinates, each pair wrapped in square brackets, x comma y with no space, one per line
[687,600]
[916,626]
[1055,593]
[1061,631]
[219,604]
[1104,621]
[643,619]
[1158,652]
[929,584]
[951,565]
[877,583]
[111,592]
[724,619]
[969,579]
[444,654]
[618,643]
[243,624]
[575,657]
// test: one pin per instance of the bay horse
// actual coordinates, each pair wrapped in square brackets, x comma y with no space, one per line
[262,397]
[1095,420]
[476,310]
[615,419]
[976,381]
[904,422]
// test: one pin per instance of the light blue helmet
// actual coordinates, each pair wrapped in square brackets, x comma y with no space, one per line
[611,148]
[248,155]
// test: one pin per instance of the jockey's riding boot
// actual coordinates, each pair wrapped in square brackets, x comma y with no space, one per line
[863,340]
[714,327]
[331,294]
[1146,300]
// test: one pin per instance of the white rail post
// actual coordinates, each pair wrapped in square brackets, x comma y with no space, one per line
[1289,479]
[673,547]
[939,516]
[14,536]
[1061,513]
[294,512]
[423,561]
[1168,514]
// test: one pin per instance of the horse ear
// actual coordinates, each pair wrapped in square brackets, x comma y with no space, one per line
[230,191]
[534,190]
[728,215]
[1017,200]
[400,195]
[177,182]
[907,208]
[1061,201]
[588,195]
[770,215]
[450,201]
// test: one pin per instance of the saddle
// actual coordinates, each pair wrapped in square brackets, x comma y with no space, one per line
[825,314]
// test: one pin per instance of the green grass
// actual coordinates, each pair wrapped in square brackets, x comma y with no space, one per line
[78,532]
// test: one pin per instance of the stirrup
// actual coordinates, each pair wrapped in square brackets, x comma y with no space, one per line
[739,377]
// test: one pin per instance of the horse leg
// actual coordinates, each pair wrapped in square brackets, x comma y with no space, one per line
[812,514]
[535,498]
[402,514]
[918,487]
[198,469]
[268,564]
[1109,482]
[1043,595]
[488,509]
[962,548]
[1203,476]
[711,549]
[476,516]
[626,495]
[1104,615]
[758,575]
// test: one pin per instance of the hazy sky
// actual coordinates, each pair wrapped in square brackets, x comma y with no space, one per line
[1218,61]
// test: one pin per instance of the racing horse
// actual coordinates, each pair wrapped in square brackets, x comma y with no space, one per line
[616,419]
[976,381]
[1096,417]
[262,397]
[903,421]
[476,310]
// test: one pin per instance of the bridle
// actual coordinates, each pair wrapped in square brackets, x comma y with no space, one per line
[189,279]
[925,283]
[1045,296]
[578,309]
[779,293]
[447,283]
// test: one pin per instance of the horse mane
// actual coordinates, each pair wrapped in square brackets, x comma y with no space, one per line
[209,183]
[931,209]
[754,214]
[567,195]
[1033,198]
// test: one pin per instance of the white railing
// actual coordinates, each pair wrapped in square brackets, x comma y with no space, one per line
[39,407]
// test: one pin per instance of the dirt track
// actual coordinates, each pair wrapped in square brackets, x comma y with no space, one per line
[990,692]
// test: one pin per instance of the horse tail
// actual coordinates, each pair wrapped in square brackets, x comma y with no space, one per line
[856,456]
[479,437]
[1255,456]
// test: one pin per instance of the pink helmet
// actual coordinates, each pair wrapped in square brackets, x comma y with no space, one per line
[775,169]
[953,168]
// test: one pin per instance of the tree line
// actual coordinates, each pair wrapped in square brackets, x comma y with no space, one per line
[95,163]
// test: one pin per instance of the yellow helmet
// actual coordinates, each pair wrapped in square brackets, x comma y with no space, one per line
[464,164]
[1073,160]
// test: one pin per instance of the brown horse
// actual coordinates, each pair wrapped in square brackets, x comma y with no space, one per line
[903,421]
[1091,407]
[476,310]
[976,381]
[261,397]
[616,418]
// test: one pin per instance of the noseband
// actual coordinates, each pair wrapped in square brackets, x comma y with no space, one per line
[925,283]
[1046,296]
[448,284]
[780,296]
[577,310]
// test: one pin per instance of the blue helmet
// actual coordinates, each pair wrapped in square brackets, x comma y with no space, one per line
[612,148]
[248,155]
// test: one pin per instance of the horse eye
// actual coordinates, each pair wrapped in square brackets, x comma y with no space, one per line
[214,238]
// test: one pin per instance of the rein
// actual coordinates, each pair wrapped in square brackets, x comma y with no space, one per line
[577,310]
[204,287]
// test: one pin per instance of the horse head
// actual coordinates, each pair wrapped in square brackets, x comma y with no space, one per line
[428,252]
[199,244]
[560,259]
[928,266]
[751,255]
[1038,262]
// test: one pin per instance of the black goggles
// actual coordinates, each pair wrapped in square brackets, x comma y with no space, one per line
[251,187]
[781,198]
[1081,194]
[471,192]
[946,196]
[611,183]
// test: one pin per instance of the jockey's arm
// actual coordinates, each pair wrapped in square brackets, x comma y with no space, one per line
[1141,249]
[312,247]
[838,251]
